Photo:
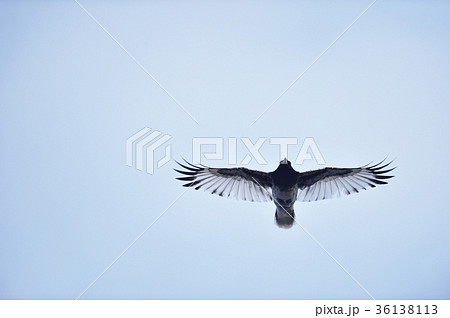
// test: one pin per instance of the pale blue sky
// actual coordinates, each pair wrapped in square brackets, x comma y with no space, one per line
[70,97]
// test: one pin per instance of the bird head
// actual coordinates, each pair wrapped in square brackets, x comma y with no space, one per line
[285,162]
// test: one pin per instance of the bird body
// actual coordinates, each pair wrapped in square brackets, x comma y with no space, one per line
[284,192]
[284,185]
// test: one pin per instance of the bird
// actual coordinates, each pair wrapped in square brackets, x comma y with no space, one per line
[284,185]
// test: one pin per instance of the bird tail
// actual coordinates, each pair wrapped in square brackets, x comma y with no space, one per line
[284,218]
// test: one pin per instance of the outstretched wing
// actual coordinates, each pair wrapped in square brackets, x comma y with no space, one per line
[329,182]
[240,183]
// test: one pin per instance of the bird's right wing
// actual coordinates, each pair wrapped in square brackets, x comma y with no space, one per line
[241,183]
[328,182]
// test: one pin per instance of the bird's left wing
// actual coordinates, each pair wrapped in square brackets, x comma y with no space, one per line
[241,183]
[326,183]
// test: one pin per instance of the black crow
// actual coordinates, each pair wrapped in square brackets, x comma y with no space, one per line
[284,185]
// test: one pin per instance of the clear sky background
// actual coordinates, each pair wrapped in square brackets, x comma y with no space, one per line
[70,97]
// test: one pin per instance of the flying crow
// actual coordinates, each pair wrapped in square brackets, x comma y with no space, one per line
[284,185]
